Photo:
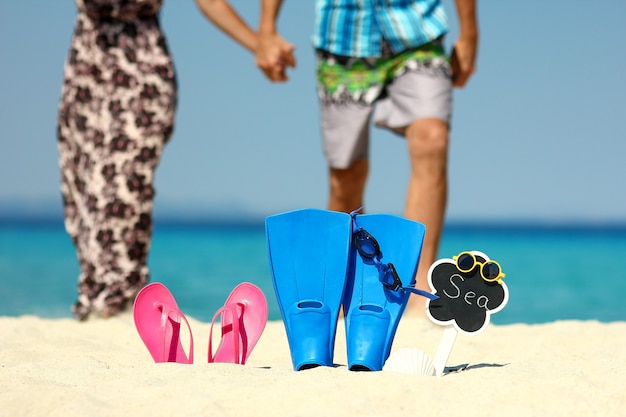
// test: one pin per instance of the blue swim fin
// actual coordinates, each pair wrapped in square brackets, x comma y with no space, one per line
[373,302]
[308,254]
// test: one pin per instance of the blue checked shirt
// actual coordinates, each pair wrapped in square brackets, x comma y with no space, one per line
[356,28]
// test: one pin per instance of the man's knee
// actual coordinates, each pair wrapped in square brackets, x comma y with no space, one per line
[427,137]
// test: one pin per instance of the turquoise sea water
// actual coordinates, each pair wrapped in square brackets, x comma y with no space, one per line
[553,273]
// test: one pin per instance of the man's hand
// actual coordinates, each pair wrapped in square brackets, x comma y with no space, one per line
[463,61]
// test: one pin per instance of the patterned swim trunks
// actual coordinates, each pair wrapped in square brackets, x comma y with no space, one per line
[395,89]
[345,79]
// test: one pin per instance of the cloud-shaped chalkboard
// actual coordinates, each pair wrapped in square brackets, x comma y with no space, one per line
[465,298]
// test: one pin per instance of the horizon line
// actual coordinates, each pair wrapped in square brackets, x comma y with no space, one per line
[252,221]
[45,212]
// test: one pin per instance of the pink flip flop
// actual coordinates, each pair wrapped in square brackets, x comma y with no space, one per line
[158,320]
[243,319]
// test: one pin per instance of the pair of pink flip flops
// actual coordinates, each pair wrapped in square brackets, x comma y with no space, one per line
[158,321]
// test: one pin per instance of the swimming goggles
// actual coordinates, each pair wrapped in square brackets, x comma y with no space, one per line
[490,271]
[369,249]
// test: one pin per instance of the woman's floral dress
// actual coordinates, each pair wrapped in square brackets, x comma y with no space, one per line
[116,115]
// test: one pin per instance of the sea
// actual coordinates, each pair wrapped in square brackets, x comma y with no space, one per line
[553,272]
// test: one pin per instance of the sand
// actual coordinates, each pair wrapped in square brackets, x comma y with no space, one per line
[100,367]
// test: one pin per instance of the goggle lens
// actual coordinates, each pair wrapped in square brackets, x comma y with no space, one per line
[366,244]
[389,277]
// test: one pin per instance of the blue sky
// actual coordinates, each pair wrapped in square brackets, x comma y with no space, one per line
[537,135]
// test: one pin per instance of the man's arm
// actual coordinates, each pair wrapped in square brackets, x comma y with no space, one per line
[223,16]
[273,54]
[466,47]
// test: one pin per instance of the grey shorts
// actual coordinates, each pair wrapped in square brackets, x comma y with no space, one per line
[397,89]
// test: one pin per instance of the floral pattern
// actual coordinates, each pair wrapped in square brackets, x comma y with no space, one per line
[362,80]
[116,114]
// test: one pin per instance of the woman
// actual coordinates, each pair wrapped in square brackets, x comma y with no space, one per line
[116,114]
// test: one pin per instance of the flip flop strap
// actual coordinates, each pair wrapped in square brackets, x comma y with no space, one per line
[168,312]
[235,332]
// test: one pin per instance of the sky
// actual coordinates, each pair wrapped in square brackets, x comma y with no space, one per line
[537,135]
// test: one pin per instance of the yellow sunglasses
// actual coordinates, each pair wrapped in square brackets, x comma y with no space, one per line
[490,271]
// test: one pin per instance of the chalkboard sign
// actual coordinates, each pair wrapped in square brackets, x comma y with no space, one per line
[466,299]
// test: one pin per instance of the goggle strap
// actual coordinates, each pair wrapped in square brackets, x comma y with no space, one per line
[397,284]
[421,292]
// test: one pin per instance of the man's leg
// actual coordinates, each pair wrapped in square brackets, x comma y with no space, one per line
[346,106]
[427,142]
[418,106]
[347,186]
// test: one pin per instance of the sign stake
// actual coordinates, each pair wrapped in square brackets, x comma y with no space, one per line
[445,348]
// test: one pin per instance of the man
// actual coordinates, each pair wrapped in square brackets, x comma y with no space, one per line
[387,56]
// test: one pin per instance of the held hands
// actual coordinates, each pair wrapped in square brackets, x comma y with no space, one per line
[273,56]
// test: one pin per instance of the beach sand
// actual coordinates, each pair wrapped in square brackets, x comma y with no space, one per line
[66,368]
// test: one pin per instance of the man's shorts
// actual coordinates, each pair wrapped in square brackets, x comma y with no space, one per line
[398,89]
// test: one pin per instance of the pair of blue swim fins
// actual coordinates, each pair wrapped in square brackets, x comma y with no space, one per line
[321,260]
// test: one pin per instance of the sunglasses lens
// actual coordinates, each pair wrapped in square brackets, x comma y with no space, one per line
[491,270]
[465,262]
